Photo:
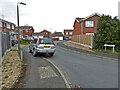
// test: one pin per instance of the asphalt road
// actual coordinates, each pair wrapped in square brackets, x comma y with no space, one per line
[87,71]
[82,70]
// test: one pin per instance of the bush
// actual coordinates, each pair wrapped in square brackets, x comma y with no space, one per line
[108,32]
[25,41]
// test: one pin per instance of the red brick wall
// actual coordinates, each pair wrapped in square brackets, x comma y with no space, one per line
[44,33]
[77,26]
[91,29]
[29,33]
[7,29]
[68,35]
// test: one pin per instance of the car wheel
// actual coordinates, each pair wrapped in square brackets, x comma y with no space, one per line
[34,53]
[30,51]
[51,54]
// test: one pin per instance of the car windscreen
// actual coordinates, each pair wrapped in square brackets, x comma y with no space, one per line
[46,41]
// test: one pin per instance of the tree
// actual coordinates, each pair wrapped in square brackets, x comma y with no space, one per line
[108,32]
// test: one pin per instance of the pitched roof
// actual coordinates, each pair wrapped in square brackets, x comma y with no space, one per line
[79,19]
[6,21]
[83,19]
[38,34]
[45,30]
[57,34]
[24,27]
[68,30]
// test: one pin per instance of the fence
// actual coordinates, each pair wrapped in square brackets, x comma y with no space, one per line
[84,40]
[5,44]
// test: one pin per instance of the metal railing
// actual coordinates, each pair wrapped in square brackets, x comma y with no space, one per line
[5,44]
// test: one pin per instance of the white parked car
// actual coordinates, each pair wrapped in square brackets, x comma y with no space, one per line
[42,45]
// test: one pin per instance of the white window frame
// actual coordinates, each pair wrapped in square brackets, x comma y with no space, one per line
[66,33]
[26,30]
[89,23]
[8,25]
[25,36]
[90,34]
[20,30]
[71,33]
[20,36]
[13,27]
[0,24]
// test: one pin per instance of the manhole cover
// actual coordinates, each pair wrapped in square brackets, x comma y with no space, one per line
[46,72]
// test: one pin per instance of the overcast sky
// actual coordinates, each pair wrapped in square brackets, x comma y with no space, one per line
[55,15]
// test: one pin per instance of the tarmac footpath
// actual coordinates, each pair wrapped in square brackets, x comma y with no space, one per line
[41,73]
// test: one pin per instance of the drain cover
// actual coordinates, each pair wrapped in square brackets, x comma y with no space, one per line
[46,72]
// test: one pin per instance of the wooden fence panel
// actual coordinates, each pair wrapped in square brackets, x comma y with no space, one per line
[83,39]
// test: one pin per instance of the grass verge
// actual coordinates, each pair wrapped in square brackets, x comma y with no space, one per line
[10,68]
[24,43]
[108,51]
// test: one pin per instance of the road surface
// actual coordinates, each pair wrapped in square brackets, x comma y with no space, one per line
[85,71]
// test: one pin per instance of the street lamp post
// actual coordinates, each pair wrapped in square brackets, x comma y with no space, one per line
[18,24]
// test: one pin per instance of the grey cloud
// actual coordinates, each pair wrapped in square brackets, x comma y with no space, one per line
[7,9]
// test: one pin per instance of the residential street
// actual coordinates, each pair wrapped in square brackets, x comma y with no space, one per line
[86,71]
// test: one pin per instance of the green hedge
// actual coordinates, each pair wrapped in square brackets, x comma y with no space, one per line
[25,41]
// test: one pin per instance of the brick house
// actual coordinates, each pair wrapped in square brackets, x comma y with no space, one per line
[67,34]
[6,26]
[42,34]
[37,34]
[57,36]
[26,32]
[46,34]
[86,25]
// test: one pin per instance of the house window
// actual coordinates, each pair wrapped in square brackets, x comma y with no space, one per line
[20,30]
[89,23]
[26,30]
[90,34]
[26,36]
[12,26]
[0,24]
[20,36]
[8,25]
[70,33]
[66,33]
